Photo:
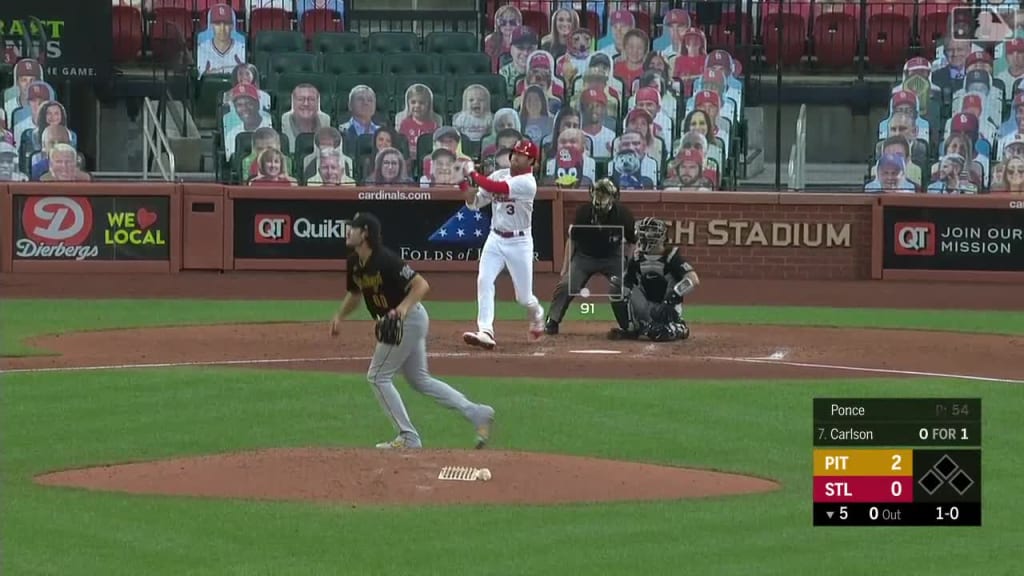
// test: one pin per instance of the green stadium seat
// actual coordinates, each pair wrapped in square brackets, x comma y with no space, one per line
[210,98]
[273,41]
[349,65]
[243,147]
[495,83]
[337,43]
[409,64]
[451,42]
[288,63]
[465,64]
[390,42]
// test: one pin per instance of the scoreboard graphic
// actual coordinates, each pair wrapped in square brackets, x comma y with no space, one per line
[897,462]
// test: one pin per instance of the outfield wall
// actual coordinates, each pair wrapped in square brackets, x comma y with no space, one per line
[143,227]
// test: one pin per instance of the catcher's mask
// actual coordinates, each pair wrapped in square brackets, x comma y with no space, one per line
[603,194]
[650,235]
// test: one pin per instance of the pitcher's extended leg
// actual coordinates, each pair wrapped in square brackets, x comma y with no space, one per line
[387,360]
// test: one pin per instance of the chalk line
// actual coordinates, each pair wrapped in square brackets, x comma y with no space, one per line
[212,363]
[769,360]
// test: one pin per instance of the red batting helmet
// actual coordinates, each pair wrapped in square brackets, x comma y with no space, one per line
[527,148]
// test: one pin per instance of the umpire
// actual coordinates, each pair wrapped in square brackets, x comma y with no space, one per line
[595,246]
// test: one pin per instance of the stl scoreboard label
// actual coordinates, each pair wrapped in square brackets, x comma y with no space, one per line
[869,471]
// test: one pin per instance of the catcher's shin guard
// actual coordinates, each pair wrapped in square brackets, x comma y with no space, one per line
[620,305]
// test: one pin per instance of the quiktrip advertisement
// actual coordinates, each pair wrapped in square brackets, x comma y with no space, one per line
[954,238]
[91,228]
[439,230]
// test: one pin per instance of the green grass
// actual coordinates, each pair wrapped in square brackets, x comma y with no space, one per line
[53,421]
[20,319]
[763,428]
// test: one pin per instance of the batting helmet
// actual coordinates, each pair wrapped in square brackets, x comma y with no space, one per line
[603,194]
[650,234]
[527,148]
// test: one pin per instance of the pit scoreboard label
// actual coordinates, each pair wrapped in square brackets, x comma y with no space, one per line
[897,462]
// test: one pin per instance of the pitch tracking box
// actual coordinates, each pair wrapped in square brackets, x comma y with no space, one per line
[862,477]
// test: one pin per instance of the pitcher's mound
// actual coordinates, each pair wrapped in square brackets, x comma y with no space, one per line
[370,476]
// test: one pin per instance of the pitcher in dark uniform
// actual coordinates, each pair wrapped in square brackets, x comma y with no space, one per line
[390,286]
[600,236]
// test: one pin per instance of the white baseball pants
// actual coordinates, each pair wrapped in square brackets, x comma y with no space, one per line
[517,255]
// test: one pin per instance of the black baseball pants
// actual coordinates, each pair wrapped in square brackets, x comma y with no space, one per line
[581,269]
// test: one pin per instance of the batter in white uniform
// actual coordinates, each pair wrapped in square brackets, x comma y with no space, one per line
[510,191]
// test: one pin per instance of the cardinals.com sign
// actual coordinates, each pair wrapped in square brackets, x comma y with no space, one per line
[70,39]
[434,230]
[91,228]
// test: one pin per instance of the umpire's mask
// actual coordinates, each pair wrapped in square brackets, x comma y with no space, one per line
[603,194]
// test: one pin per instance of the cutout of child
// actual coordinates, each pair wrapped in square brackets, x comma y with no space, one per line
[326,137]
[475,119]
[688,65]
[418,117]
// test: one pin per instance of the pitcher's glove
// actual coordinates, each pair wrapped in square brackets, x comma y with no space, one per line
[389,330]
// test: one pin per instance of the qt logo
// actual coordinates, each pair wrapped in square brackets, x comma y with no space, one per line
[273,229]
[915,239]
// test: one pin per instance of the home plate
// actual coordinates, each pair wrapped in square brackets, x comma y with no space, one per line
[595,351]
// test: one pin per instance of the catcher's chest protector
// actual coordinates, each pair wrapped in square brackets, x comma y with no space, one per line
[653,278]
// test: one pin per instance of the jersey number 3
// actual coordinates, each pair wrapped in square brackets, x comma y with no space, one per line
[510,209]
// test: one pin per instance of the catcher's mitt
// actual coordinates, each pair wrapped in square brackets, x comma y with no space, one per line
[389,330]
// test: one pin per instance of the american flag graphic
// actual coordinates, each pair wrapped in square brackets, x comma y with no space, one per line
[465,227]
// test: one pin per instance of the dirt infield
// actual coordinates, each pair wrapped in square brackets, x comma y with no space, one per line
[374,477]
[356,476]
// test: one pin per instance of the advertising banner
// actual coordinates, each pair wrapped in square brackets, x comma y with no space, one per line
[954,238]
[124,228]
[79,39]
[436,230]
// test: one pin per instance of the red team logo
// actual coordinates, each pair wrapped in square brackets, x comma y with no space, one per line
[52,220]
[915,239]
[273,228]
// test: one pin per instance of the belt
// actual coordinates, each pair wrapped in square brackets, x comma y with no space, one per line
[504,234]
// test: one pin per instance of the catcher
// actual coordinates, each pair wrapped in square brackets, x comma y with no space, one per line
[648,301]
[393,291]
[594,246]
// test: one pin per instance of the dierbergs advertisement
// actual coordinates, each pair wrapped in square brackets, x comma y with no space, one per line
[953,239]
[91,228]
[315,229]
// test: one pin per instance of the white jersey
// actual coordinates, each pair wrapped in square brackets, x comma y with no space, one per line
[213,61]
[515,213]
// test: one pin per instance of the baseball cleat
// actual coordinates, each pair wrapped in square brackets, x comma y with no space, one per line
[483,425]
[537,328]
[683,330]
[620,334]
[401,442]
[480,339]
[551,328]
